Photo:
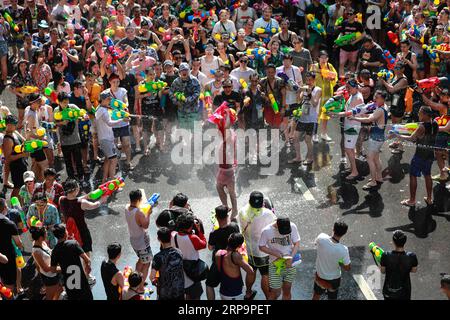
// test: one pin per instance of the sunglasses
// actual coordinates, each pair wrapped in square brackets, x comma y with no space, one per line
[227,86]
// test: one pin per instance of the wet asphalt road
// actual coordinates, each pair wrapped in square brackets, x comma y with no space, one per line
[301,193]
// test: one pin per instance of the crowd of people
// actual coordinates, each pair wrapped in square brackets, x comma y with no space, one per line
[94,80]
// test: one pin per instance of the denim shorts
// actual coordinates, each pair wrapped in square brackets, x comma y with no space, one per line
[420,166]
[121,132]
[109,148]
[3,48]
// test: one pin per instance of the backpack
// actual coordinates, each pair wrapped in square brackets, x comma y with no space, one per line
[72,230]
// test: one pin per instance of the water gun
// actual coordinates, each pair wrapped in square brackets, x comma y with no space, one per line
[247,101]
[297,113]
[327,74]
[20,262]
[92,112]
[83,128]
[430,83]
[2,125]
[334,104]
[30,146]
[390,60]
[385,74]
[342,92]
[363,108]
[40,132]
[147,207]
[152,86]
[339,21]
[69,114]
[28,89]
[112,50]
[49,126]
[167,36]
[291,83]
[234,5]
[185,12]
[316,25]
[117,104]
[393,38]
[347,39]
[203,15]
[442,120]
[443,47]
[406,129]
[180,96]
[243,83]
[11,22]
[376,251]
[414,32]
[49,92]
[433,55]
[110,32]
[268,30]
[208,100]
[107,188]
[6,292]
[72,43]
[118,114]
[258,53]
[35,222]
[274,103]
[286,50]
[15,204]
[280,263]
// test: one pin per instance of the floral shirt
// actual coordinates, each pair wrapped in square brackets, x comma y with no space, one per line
[191,90]
[42,75]
[49,218]
[26,197]
[17,81]
[53,195]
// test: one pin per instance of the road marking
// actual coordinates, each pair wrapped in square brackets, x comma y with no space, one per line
[364,287]
[301,186]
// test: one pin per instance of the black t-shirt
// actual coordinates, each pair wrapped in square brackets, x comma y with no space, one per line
[80,102]
[232,98]
[397,284]
[67,254]
[8,229]
[347,28]
[108,271]
[129,82]
[375,54]
[123,43]
[219,238]
[169,263]
[14,216]
[151,106]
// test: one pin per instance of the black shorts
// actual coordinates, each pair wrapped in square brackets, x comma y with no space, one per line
[261,264]
[38,156]
[398,111]
[306,127]
[213,279]
[333,292]
[8,272]
[87,240]
[53,281]
[17,175]
[121,132]
[195,291]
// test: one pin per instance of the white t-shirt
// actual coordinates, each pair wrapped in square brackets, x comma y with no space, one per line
[352,102]
[222,27]
[120,94]
[252,222]
[239,74]
[206,66]
[272,239]
[294,74]
[61,10]
[103,124]
[261,23]
[202,78]
[329,254]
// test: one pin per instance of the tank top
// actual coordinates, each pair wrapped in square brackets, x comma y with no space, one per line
[401,94]
[425,143]
[46,254]
[215,89]
[72,209]
[20,163]
[285,43]
[377,133]
[408,70]
[139,238]
[229,286]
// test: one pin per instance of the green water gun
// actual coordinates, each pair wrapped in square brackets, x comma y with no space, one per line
[377,252]
[2,125]
[347,39]
[152,86]
[118,114]
[334,104]
[180,96]
[30,146]
[69,114]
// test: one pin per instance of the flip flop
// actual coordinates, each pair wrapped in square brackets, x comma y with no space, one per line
[407,203]
[427,202]
[369,187]
[352,178]
[252,296]
[307,163]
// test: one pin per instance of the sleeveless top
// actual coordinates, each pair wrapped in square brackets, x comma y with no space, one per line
[19,163]
[377,133]
[285,43]
[139,238]
[108,271]
[408,70]
[72,208]
[229,286]
[424,144]
[400,94]
[46,256]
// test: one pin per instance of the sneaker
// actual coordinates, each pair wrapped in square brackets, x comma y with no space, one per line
[315,138]
[362,158]
[123,156]
[326,137]
[138,150]
[343,160]
[91,280]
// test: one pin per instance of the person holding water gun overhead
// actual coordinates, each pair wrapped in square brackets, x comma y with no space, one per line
[280,240]
[9,236]
[326,79]
[318,11]
[266,25]
[415,35]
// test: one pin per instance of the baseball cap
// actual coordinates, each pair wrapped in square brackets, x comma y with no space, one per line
[284,225]
[256,200]
[353,83]
[105,95]
[184,66]
[28,176]
[168,63]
